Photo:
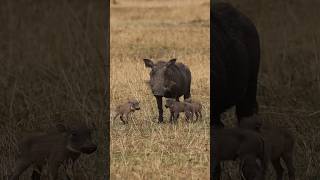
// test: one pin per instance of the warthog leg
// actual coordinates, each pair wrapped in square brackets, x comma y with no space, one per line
[287,158]
[21,166]
[36,173]
[160,110]
[121,118]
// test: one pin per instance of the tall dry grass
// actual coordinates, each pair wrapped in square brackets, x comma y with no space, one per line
[51,60]
[144,149]
[289,90]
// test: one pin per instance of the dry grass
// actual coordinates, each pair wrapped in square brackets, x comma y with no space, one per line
[144,149]
[51,54]
[289,89]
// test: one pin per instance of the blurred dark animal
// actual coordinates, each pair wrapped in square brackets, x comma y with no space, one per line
[235,62]
[281,143]
[251,168]
[53,149]
[246,145]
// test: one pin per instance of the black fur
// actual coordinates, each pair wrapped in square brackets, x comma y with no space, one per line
[175,72]
[235,58]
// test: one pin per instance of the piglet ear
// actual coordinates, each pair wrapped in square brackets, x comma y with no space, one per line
[148,63]
[61,128]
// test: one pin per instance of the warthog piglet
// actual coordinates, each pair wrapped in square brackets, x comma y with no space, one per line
[126,109]
[53,149]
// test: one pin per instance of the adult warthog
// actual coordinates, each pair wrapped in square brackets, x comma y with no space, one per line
[235,62]
[168,79]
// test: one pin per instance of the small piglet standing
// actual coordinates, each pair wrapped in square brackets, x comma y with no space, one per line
[126,109]
[194,107]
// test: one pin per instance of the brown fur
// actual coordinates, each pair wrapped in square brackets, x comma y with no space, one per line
[127,108]
[194,107]
[280,143]
[53,149]
[237,143]
[177,107]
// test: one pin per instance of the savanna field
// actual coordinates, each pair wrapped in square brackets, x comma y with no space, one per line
[144,149]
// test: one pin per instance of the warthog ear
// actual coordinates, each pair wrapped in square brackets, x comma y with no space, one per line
[171,62]
[148,63]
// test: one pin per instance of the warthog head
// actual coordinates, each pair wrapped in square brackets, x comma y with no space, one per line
[79,139]
[160,76]
[135,104]
[169,102]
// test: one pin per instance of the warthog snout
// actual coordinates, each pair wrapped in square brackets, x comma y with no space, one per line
[135,104]
[159,89]
[169,102]
[157,92]
[89,149]
[80,140]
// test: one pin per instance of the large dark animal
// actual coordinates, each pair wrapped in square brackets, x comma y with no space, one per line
[168,79]
[281,145]
[235,62]
[246,145]
[53,149]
